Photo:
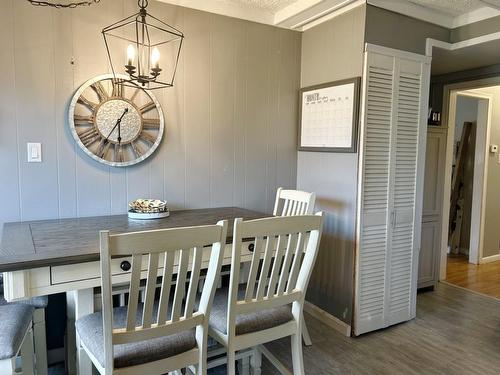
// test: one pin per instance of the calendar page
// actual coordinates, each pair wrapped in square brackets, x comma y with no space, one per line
[327,118]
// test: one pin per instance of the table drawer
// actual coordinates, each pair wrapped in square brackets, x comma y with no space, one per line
[91,270]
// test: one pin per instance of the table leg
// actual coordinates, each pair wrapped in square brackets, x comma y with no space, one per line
[79,303]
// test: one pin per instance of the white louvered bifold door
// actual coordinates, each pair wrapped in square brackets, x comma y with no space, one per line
[391,142]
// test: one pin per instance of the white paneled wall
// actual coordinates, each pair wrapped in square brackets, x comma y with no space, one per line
[230,118]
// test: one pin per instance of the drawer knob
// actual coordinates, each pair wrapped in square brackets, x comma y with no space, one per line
[125,265]
[251,247]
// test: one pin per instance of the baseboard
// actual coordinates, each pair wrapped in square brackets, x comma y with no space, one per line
[328,319]
[55,356]
[491,258]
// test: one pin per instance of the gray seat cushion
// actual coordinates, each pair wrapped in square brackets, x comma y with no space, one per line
[246,323]
[90,330]
[36,302]
[15,319]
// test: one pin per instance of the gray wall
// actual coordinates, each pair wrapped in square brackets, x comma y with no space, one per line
[333,51]
[230,119]
[395,30]
[473,30]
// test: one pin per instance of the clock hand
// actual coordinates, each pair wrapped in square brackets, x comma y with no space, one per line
[117,124]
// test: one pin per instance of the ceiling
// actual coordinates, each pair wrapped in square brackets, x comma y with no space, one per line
[303,14]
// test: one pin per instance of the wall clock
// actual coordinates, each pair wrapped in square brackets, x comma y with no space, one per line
[115,124]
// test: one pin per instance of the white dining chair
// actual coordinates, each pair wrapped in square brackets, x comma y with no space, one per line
[16,339]
[269,305]
[291,203]
[39,334]
[164,334]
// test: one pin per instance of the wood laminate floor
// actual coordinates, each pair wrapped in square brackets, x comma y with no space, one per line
[455,332]
[482,278]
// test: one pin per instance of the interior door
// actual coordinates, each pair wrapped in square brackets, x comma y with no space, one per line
[391,169]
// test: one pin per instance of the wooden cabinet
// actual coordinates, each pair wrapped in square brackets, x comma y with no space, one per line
[428,268]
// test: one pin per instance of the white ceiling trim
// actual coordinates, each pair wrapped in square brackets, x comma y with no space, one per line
[311,14]
[437,17]
[304,14]
[475,16]
[416,11]
[235,10]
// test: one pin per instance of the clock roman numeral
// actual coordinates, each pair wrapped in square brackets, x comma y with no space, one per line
[147,137]
[103,147]
[117,88]
[118,153]
[91,139]
[100,91]
[136,149]
[147,107]
[83,120]
[87,103]
[151,123]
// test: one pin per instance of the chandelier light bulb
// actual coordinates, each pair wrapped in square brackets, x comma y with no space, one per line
[155,58]
[130,54]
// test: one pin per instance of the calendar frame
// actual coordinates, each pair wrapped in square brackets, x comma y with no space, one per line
[355,116]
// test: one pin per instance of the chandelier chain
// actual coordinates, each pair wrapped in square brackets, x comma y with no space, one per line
[75,4]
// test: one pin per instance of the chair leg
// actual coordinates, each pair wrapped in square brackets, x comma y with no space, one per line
[8,366]
[40,342]
[231,362]
[244,366]
[305,333]
[28,354]
[297,358]
[201,369]
[256,362]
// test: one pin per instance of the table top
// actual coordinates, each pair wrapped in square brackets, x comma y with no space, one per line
[33,244]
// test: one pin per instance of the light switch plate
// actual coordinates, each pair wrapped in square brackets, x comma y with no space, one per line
[34,152]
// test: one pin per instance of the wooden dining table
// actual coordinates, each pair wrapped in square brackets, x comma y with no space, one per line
[45,257]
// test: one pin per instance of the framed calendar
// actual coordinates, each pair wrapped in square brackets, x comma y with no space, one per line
[328,116]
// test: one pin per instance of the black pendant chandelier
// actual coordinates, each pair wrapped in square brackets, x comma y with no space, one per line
[135,45]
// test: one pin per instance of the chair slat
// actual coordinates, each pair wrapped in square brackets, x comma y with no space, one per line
[254,268]
[285,208]
[193,283]
[285,270]
[133,298]
[147,312]
[278,259]
[180,289]
[166,284]
[264,273]
[297,260]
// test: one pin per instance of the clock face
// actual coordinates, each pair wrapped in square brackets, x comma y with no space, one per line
[115,124]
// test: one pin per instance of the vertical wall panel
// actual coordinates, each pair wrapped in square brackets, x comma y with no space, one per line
[65,145]
[197,110]
[35,101]
[257,112]
[230,117]
[9,172]
[92,179]
[222,70]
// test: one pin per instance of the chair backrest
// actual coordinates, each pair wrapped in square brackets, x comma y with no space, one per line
[285,250]
[293,202]
[177,252]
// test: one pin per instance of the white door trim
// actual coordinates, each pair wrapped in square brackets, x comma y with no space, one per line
[480,177]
